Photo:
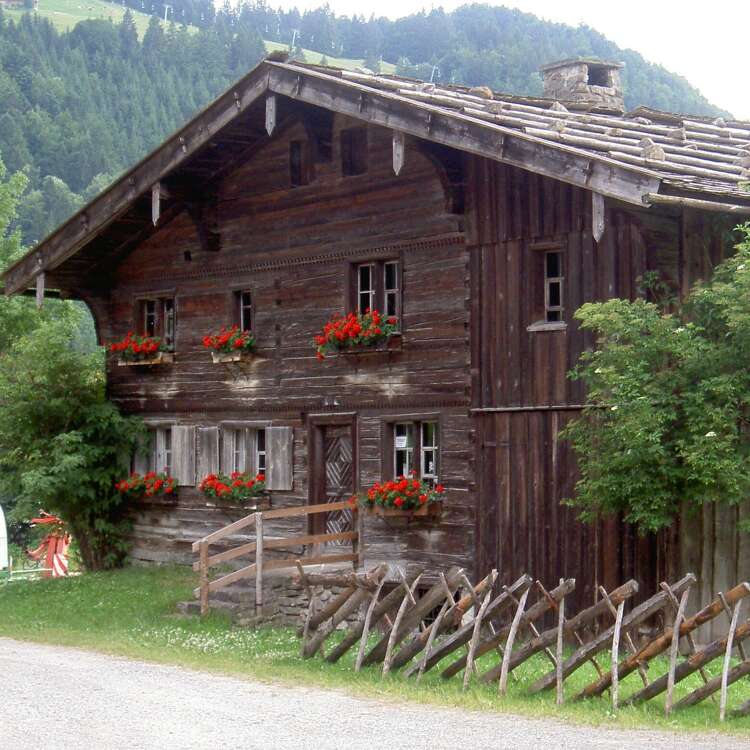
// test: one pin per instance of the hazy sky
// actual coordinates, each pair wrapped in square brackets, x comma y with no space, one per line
[707,42]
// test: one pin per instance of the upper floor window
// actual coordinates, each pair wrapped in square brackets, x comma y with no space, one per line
[553,286]
[156,452]
[243,310]
[353,151]
[378,287]
[300,163]
[157,317]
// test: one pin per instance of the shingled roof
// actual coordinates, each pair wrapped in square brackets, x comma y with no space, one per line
[642,157]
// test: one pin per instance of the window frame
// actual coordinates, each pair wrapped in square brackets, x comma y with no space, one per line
[161,308]
[544,315]
[388,445]
[354,148]
[248,431]
[379,291]
[300,163]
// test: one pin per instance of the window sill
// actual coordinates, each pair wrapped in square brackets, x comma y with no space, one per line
[163,358]
[543,325]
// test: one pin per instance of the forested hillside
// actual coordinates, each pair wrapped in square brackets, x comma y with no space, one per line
[78,107]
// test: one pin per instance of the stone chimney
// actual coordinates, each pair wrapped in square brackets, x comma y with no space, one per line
[592,83]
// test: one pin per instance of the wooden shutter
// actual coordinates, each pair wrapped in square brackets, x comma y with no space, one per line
[227,449]
[183,455]
[279,456]
[208,451]
[142,457]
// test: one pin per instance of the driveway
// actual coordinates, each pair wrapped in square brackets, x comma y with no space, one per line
[69,699]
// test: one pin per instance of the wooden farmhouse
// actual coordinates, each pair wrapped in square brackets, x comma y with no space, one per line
[482,222]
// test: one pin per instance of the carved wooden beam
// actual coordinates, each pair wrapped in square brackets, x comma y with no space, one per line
[399,151]
[597,215]
[270,114]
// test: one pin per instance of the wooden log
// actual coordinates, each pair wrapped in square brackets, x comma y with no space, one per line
[545,604]
[389,602]
[628,637]
[662,642]
[740,711]
[475,633]
[616,655]
[674,651]
[715,683]
[463,634]
[411,621]
[503,685]
[453,616]
[728,613]
[328,611]
[727,661]
[204,578]
[329,580]
[560,698]
[310,606]
[691,641]
[599,643]
[397,623]
[259,565]
[433,631]
[348,608]
[690,665]
[335,655]
[39,290]
[571,626]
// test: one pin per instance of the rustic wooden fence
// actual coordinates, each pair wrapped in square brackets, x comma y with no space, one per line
[255,550]
[454,624]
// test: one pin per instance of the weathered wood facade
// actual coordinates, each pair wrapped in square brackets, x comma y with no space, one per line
[470,212]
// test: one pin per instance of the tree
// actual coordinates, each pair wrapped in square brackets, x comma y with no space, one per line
[668,406]
[62,444]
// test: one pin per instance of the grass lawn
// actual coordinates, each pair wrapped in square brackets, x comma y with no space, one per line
[131,613]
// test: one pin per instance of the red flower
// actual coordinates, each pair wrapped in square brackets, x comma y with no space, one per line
[398,502]
[440,489]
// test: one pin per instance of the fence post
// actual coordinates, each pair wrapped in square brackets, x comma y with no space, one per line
[259,564]
[204,578]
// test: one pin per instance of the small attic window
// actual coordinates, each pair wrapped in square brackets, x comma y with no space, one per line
[598,75]
[353,151]
[300,163]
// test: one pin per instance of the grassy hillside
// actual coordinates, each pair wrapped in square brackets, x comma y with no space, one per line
[65,14]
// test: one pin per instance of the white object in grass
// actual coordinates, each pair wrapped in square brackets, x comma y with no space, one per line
[3,542]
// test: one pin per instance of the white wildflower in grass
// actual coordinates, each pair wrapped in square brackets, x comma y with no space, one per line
[614,408]
[711,434]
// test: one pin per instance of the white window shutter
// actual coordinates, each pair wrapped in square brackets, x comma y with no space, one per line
[142,457]
[208,451]
[183,455]
[280,450]
[227,450]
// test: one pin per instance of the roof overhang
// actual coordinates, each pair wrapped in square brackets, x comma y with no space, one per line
[328,90]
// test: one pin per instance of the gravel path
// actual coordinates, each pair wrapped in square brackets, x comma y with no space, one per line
[70,699]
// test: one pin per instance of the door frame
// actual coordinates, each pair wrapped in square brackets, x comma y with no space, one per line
[316,474]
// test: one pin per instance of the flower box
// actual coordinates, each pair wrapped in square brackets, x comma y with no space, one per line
[136,351]
[432,509]
[229,345]
[394,343]
[151,484]
[162,358]
[239,487]
[358,333]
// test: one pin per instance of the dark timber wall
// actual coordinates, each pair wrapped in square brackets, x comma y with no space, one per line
[291,247]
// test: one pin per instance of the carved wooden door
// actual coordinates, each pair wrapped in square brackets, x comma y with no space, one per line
[339,475]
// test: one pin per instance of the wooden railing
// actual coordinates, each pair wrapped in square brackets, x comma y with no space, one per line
[261,544]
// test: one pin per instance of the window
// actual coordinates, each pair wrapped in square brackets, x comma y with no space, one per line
[243,450]
[553,286]
[157,317]
[353,151]
[243,310]
[378,287]
[300,163]
[414,447]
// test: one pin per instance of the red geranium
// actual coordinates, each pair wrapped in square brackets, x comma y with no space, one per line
[230,340]
[148,485]
[404,493]
[133,348]
[355,329]
[238,487]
